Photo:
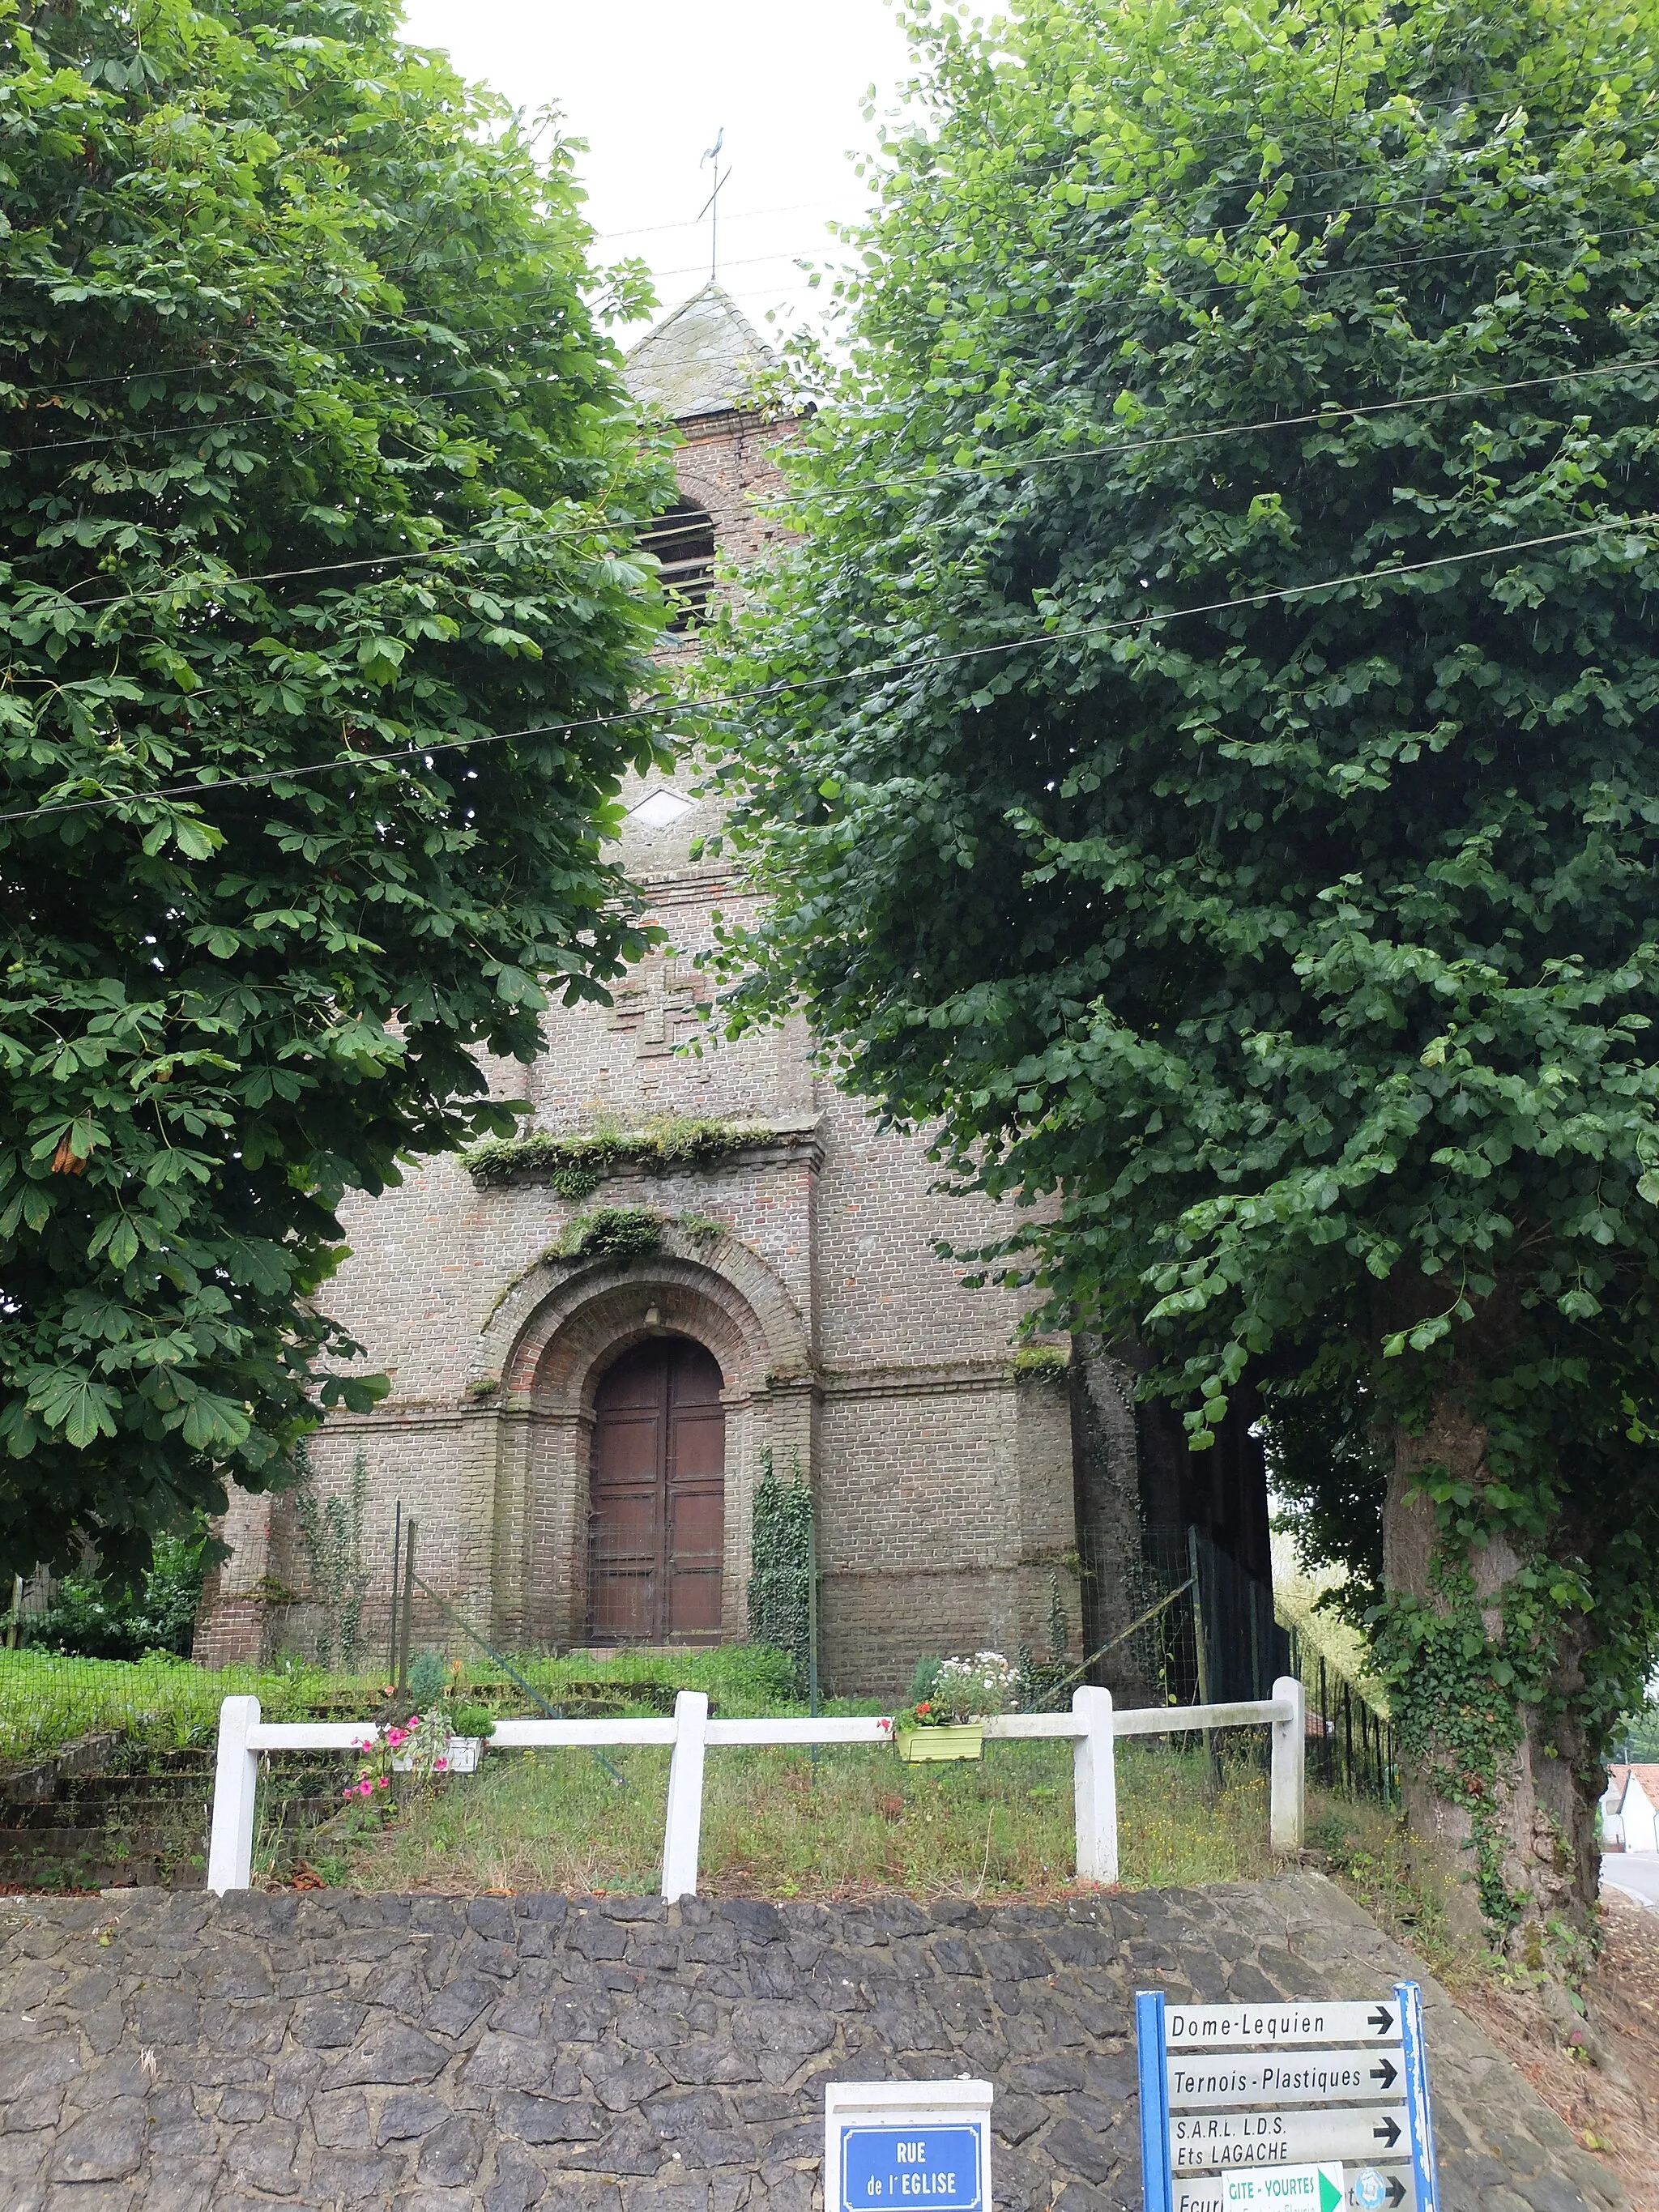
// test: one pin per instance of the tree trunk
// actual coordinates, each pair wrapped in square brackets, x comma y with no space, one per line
[1530,1822]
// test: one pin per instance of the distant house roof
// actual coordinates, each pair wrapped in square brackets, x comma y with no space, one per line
[701,361]
[1620,1777]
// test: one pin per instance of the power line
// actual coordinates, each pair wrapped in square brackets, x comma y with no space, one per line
[210,423]
[431,331]
[432,324]
[1331,413]
[748,215]
[1327,415]
[1299,276]
[646,711]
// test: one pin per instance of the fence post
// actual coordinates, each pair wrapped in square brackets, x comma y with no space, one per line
[1093,1773]
[1288,1794]
[683,1832]
[230,1845]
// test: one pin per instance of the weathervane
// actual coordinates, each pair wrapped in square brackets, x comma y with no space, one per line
[711,206]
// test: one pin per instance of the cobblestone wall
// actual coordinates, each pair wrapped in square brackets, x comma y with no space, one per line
[167,2052]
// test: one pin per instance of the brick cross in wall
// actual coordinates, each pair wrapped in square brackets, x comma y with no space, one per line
[657,998]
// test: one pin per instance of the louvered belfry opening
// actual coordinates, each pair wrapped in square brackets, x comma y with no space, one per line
[683,540]
[656,1497]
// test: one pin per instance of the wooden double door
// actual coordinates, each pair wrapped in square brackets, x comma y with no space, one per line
[656,1497]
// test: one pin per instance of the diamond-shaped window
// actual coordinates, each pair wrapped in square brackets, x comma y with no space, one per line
[660,809]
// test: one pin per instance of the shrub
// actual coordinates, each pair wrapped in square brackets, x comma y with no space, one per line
[610,1232]
[428,1678]
[92,1618]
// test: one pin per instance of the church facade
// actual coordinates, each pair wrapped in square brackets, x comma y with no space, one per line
[691,1264]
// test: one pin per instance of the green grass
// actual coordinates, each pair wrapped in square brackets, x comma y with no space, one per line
[775,1826]
[739,1678]
[160,1701]
[167,1704]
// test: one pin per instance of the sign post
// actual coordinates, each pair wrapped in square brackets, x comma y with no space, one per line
[1311,2106]
[909,2145]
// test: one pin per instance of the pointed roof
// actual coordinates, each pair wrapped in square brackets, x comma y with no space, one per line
[701,361]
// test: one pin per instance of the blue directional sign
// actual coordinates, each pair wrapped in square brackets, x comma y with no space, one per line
[909,2167]
[1277,2097]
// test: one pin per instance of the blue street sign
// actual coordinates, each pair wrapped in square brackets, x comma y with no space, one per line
[908,2167]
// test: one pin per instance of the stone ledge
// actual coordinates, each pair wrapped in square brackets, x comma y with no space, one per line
[764,1145]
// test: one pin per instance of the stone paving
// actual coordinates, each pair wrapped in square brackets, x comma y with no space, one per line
[167,2052]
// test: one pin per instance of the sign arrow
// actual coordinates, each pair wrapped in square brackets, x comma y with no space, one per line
[1372,2190]
[1202,2079]
[1264,2189]
[1230,2137]
[1307,2021]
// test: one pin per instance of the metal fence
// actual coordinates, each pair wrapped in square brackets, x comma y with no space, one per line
[1352,1745]
[1177,1621]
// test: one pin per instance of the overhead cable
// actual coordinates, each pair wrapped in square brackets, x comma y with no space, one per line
[1150,619]
[1327,415]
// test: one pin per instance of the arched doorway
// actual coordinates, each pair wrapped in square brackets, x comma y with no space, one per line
[656,1497]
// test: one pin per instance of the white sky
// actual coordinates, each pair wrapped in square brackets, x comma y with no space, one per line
[649,82]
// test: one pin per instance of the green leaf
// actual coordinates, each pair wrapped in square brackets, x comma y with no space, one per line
[68,1399]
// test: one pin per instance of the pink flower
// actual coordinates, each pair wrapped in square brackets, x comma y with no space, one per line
[384,1784]
[394,1737]
[365,1788]
[442,1763]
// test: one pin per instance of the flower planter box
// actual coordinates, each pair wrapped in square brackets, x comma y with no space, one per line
[964,1740]
[463,1755]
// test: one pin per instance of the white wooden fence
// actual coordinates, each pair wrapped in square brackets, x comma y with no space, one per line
[1093,1725]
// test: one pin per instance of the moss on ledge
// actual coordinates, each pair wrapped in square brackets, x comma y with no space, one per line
[1041,1363]
[575,1166]
[610,1232]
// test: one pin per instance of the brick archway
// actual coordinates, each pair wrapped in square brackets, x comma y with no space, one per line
[563,1342]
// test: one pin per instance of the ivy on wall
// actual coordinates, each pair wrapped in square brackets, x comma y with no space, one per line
[576,1165]
[781,1567]
[332,1530]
